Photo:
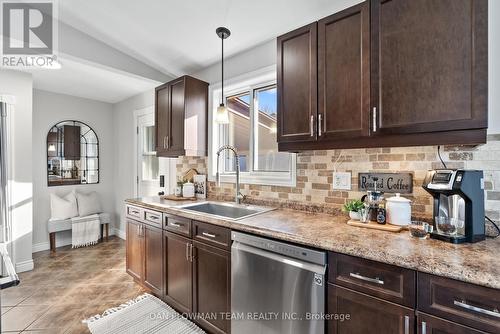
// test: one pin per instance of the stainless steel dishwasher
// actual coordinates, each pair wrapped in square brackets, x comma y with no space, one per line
[276,287]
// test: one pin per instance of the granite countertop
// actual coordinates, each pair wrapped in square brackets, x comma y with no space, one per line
[477,263]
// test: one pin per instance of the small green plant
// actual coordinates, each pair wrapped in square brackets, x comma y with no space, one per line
[354,205]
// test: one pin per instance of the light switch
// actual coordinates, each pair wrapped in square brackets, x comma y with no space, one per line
[342,180]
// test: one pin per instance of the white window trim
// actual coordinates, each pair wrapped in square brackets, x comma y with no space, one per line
[261,77]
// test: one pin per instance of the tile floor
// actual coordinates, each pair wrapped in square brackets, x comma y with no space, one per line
[65,288]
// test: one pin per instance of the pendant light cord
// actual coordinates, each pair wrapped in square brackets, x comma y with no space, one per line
[222,74]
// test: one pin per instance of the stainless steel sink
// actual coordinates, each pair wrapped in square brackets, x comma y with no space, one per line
[231,211]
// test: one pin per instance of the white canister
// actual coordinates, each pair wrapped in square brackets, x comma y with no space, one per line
[398,210]
[188,190]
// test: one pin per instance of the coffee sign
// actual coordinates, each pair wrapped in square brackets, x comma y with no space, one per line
[386,182]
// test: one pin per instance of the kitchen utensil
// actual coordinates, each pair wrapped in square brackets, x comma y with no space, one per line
[364,214]
[419,229]
[398,210]
[374,199]
[376,226]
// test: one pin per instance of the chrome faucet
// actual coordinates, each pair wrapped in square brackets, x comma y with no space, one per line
[238,196]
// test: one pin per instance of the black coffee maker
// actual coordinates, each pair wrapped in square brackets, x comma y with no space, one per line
[458,204]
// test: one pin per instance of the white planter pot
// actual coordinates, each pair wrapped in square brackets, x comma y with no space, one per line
[354,215]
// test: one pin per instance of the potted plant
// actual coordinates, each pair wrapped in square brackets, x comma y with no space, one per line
[353,208]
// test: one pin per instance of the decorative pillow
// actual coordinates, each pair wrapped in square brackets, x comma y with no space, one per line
[63,207]
[88,204]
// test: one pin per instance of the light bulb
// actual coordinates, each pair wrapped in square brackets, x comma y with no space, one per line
[222,116]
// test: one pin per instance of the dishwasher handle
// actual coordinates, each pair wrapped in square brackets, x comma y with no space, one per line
[312,267]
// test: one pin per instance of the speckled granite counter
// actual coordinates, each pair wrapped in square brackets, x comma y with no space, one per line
[477,263]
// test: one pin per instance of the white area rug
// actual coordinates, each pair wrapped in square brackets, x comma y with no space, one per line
[145,314]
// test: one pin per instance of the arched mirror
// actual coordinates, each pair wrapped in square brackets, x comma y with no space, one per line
[72,154]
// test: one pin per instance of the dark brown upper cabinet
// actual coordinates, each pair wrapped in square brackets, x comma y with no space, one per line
[389,73]
[344,74]
[181,108]
[429,65]
[297,85]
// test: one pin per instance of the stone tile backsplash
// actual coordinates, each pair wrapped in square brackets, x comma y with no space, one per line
[313,190]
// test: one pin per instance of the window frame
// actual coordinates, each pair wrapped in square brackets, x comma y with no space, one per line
[246,83]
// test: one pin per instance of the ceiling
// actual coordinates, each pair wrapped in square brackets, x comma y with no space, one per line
[90,81]
[178,37]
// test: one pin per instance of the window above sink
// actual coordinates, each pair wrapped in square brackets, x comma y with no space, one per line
[252,103]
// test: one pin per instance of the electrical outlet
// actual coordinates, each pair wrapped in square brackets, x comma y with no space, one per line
[342,180]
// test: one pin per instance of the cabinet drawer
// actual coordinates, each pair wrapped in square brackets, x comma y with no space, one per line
[465,303]
[135,212]
[153,218]
[179,225]
[212,234]
[381,280]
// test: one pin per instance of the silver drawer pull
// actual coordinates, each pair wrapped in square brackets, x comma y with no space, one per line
[210,235]
[407,324]
[367,279]
[463,304]
[174,224]
[154,217]
[135,212]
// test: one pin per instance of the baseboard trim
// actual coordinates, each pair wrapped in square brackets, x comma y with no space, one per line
[25,266]
[63,241]
[120,234]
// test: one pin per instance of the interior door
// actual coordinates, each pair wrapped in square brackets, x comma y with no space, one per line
[148,164]
[178,272]
[429,63]
[344,74]
[297,85]
[135,250]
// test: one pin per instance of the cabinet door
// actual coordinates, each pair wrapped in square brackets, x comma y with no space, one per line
[212,285]
[297,85]
[429,65]
[175,142]
[153,259]
[162,118]
[367,314]
[344,74]
[135,250]
[178,271]
[427,324]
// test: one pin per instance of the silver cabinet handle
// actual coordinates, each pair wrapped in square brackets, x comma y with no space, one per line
[168,141]
[164,142]
[320,121]
[154,217]
[210,235]
[191,252]
[138,230]
[407,324]
[135,212]
[187,251]
[367,279]
[311,125]
[463,304]
[424,327]
[374,119]
[174,224]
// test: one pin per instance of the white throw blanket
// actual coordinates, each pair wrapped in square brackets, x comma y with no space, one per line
[85,230]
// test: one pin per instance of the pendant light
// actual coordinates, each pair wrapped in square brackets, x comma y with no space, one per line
[222,116]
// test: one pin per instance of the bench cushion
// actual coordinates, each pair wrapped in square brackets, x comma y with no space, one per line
[57,225]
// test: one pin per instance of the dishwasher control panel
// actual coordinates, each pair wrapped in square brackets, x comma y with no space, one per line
[301,253]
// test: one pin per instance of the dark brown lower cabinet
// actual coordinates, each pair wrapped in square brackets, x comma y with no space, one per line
[367,314]
[427,324]
[153,259]
[178,272]
[212,286]
[135,250]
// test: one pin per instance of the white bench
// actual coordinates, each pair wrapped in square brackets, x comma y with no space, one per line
[58,225]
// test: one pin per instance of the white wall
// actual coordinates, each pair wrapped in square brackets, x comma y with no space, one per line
[20,85]
[494,66]
[49,109]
